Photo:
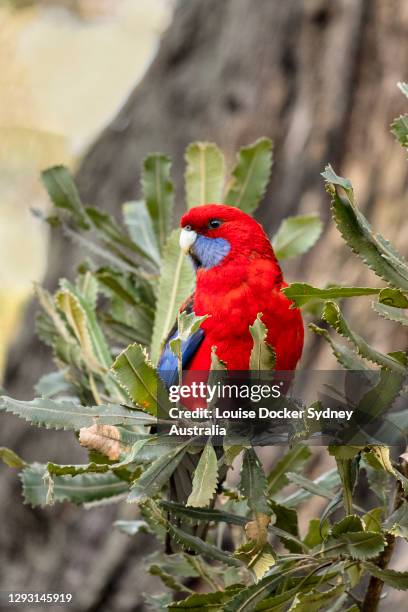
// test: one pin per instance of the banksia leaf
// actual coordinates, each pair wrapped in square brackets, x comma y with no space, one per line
[263,355]
[296,235]
[158,194]
[205,478]
[141,230]
[390,312]
[373,249]
[333,316]
[66,414]
[348,358]
[293,461]
[250,176]
[205,174]
[253,483]
[175,285]
[392,578]
[302,293]
[82,489]
[156,475]
[138,378]
[359,545]
[399,127]
[69,304]
[64,194]
[11,459]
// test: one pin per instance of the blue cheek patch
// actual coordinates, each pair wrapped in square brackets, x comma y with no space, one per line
[211,251]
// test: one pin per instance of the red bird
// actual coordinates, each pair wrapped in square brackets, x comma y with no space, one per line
[238,276]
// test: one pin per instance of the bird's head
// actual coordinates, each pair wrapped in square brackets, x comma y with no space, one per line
[216,233]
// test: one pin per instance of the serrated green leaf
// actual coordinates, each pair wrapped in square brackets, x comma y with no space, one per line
[247,599]
[348,471]
[292,461]
[190,542]
[296,235]
[231,452]
[379,458]
[349,359]
[155,519]
[138,377]
[177,564]
[74,470]
[393,297]
[391,313]
[392,578]
[100,346]
[70,306]
[141,230]
[158,194]
[333,316]
[87,285]
[397,522]
[331,507]
[326,482]
[259,559]
[316,532]
[250,176]
[64,194]
[302,293]
[359,545]
[64,414]
[263,356]
[399,127]
[205,174]
[209,602]
[302,584]
[197,515]
[205,478]
[344,452]
[372,520]
[10,458]
[86,488]
[286,520]
[309,485]
[113,235]
[156,475]
[253,482]
[380,398]
[175,285]
[168,580]
[348,524]
[315,600]
[374,250]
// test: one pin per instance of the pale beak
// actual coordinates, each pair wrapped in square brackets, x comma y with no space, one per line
[187,239]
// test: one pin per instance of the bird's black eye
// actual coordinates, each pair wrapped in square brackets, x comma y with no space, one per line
[187,227]
[214,223]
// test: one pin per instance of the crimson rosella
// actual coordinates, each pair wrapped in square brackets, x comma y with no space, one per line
[238,276]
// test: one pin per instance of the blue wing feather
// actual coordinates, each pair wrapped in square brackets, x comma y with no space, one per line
[167,366]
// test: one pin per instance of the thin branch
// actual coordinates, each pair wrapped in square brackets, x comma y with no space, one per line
[375,585]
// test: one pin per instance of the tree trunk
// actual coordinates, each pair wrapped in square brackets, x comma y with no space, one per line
[319,78]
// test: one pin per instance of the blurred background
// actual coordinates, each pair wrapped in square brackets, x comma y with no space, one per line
[97,85]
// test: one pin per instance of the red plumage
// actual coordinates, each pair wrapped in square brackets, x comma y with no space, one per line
[247,281]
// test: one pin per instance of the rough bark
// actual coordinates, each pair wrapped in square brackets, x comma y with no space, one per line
[316,76]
